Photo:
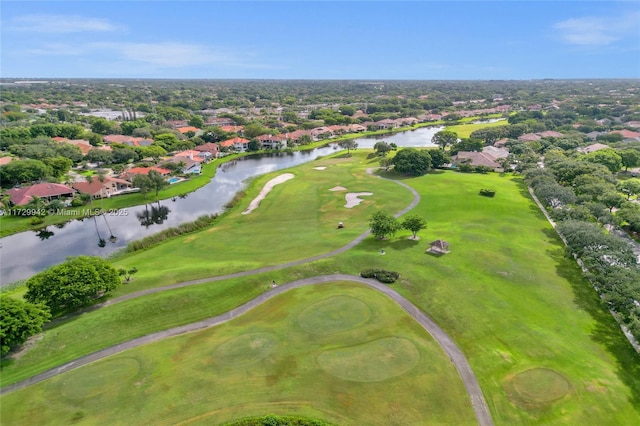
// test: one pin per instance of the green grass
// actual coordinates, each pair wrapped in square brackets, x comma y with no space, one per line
[465,130]
[505,293]
[298,218]
[262,363]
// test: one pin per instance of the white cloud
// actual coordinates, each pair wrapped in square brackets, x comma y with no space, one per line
[57,49]
[59,24]
[598,31]
[167,54]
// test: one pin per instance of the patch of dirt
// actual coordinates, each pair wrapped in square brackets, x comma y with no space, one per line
[31,342]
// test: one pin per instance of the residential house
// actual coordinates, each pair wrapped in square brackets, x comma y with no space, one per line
[220,121]
[129,174]
[387,123]
[297,134]
[501,142]
[187,129]
[127,140]
[356,128]
[84,145]
[594,135]
[496,152]
[5,160]
[47,191]
[236,144]
[211,148]
[320,133]
[272,141]
[238,130]
[201,156]
[174,124]
[593,148]
[529,137]
[475,159]
[338,130]
[628,134]
[550,134]
[103,189]
[634,124]
[189,165]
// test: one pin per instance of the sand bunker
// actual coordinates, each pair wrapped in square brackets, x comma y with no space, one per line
[319,168]
[338,188]
[353,198]
[267,188]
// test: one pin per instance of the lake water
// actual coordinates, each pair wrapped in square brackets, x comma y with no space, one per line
[26,253]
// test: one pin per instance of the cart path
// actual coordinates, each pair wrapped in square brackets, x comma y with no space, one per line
[451,349]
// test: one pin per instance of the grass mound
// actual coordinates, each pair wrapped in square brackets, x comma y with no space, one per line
[97,379]
[334,314]
[372,361]
[245,349]
[537,386]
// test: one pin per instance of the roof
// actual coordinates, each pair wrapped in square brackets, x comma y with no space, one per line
[496,152]
[233,141]
[208,147]
[593,147]
[186,129]
[550,134]
[529,137]
[628,134]
[95,186]
[146,170]
[5,160]
[477,159]
[21,196]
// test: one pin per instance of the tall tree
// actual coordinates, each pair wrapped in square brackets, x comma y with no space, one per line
[413,162]
[445,138]
[414,223]
[348,144]
[383,224]
[382,148]
[18,321]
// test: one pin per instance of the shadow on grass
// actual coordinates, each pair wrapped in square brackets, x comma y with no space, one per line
[404,244]
[606,332]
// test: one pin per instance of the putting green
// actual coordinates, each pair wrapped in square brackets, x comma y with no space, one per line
[538,386]
[334,314]
[245,349]
[96,379]
[372,361]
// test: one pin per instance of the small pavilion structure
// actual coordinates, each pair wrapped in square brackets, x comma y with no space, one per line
[438,247]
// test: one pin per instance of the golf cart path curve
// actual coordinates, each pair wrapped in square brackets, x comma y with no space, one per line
[451,349]
[455,354]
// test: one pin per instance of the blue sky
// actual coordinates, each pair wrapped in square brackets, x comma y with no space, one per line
[320,40]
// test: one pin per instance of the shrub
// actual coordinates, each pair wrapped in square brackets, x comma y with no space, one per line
[487,192]
[381,275]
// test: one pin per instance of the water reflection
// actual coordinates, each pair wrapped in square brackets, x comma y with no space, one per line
[156,215]
[44,234]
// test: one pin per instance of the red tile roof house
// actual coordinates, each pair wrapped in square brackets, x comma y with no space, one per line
[297,134]
[628,134]
[220,121]
[47,191]
[110,186]
[237,144]
[387,123]
[187,129]
[190,166]
[476,159]
[192,154]
[239,130]
[211,148]
[321,133]
[129,174]
[5,160]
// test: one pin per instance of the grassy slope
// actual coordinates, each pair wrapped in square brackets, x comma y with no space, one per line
[211,376]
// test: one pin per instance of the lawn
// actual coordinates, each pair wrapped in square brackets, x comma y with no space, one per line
[339,352]
[465,130]
[543,348]
[541,345]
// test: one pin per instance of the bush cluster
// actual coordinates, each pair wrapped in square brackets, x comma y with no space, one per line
[273,420]
[381,275]
[488,192]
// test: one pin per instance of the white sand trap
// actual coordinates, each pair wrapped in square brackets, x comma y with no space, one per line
[353,198]
[319,168]
[267,188]
[338,188]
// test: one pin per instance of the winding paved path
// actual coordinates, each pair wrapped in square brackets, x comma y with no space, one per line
[448,345]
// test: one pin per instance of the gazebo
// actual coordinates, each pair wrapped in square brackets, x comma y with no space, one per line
[438,247]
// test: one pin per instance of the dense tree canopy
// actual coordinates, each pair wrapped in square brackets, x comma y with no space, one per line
[18,321]
[72,284]
[413,162]
[383,224]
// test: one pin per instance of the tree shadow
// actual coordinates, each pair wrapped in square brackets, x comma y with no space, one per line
[404,244]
